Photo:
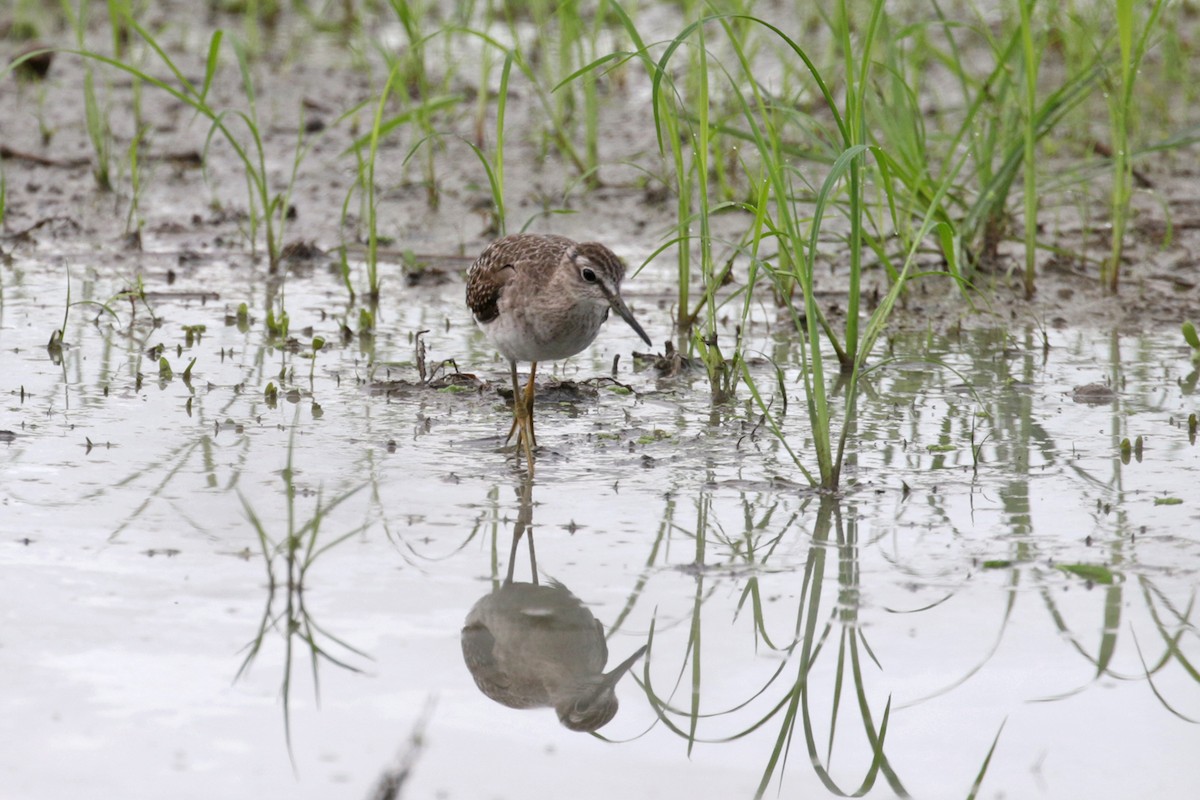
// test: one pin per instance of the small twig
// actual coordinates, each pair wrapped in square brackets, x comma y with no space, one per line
[185,157]
[420,356]
[7,152]
[604,380]
[24,233]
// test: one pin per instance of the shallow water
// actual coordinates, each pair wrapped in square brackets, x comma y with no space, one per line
[1016,584]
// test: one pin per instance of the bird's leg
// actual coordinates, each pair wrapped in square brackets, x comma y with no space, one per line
[516,402]
[523,415]
[529,390]
[522,397]
[526,418]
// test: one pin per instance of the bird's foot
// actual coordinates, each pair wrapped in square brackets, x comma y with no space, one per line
[522,427]
[523,417]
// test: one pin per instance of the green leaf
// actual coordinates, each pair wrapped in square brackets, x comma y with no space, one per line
[210,67]
[1189,333]
[1092,572]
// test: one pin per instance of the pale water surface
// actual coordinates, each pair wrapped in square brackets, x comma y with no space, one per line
[1039,597]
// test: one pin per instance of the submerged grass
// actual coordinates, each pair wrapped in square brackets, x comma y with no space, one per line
[964,209]
[777,215]
[952,188]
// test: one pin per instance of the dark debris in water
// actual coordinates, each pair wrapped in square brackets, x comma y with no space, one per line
[669,364]
[775,483]
[452,382]
[57,225]
[579,391]
[696,570]
[426,275]
[169,552]
[300,257]
[556,391]
[300,250]
[38,60]
[200,296]
[1093,394]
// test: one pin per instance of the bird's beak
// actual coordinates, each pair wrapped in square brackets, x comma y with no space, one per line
[611,678]
[618,305]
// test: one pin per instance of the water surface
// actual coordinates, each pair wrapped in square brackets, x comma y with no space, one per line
[994,574]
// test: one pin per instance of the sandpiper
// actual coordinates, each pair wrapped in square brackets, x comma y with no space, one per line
[530,645]
[541,297]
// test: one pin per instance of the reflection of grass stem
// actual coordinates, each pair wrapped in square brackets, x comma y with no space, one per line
[811,647]
[299,551]
[986,762]
[825,658]
[391,781]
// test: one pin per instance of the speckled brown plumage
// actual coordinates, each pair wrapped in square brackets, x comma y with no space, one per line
[500,262]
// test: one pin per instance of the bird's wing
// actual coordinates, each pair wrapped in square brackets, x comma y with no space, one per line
[479,651]
[486,280]
[501,262]
[603,644]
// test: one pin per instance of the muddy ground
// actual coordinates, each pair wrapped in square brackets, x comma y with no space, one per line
[192,206]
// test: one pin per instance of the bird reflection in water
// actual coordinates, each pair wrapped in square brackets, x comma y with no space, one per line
[530,645]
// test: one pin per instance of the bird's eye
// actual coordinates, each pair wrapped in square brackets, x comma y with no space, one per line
[588,274]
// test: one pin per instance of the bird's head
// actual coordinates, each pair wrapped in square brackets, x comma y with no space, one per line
[591,709]
[597,273]
[593,704]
